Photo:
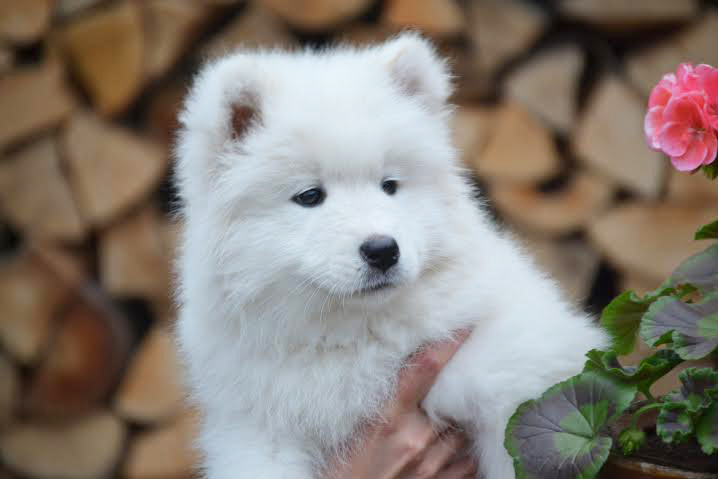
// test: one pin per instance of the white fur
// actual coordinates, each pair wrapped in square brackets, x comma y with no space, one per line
[286,356]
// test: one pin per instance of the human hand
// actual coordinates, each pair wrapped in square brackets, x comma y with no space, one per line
[404,444]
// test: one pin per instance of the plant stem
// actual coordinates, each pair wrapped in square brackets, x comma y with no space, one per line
[641,411]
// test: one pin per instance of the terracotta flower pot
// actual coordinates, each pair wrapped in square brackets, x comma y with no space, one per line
[626,468]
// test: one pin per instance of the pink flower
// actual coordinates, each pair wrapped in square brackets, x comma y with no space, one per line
[660,95]
[687,78]
[709,83]
[686,136]
[662,92]
[682,116]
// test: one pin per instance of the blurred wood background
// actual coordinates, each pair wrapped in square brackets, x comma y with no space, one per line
[551,97]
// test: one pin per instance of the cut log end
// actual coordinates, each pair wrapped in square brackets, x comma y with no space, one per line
[84,449]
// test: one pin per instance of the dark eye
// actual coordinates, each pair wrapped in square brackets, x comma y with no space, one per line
[310,197]
[389,186]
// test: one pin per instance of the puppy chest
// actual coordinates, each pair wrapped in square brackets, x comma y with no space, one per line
[325,399]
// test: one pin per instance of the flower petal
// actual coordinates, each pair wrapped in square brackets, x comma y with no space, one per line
[693,158]
[687,78]
[674,138]
[659,96]
[711,114]
[711,143]
[709,80]
[709,83]
[662,92]
[686,109]
[652,124]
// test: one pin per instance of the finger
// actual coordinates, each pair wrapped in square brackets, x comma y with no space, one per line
[438,455]
[409,442]
[463,469]
[419,374]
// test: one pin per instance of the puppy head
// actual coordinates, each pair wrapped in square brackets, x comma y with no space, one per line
[332,172]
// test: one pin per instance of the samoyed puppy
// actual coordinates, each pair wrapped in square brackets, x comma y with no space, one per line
[330,233]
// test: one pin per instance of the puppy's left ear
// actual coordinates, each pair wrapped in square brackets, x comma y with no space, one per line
[418,70]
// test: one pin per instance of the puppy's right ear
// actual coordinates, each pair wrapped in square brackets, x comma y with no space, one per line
[221,109]
[225,99]
[244,114]
[241,118]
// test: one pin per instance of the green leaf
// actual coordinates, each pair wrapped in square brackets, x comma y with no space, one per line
[622,317]
[693,328]
[709,231]
[711,171]
[699,389]
[648,371]
[707,430]
[631,440]
[560,434]
[700,270]
[674,423]
[691,408]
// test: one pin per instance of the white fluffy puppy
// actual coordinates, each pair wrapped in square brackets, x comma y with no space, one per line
[329,234]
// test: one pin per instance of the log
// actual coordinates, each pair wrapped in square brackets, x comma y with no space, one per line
[619,14]
[434,17]
[501,29]
[150,392]
[68,8]
[471,128]
[691,189]
[362,34]
[255,27]
[171,27]
[24,21]
[7,59]
[110,168]
[34,99]
[85,449]
[71,267]
[81,365]
[9,391]
[572,263]
[317,15]
[161,116]
[696,44]
[519,148]
[614,144]
[170,236]
[556,213]
[164,309]
[547,85]
[471,80]
[105,49]
[30,300]
[164,453]
[35,197]
[132,259]
[650,240]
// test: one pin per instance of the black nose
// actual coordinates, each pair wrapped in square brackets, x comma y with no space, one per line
[380,252]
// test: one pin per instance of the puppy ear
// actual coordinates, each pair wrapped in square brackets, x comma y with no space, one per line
[223,106]
[244,113]
[224,102]
[417,70]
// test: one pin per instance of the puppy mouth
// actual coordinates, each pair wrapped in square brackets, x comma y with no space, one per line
[375,287]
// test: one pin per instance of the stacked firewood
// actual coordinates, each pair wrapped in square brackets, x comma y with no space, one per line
[551,102]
